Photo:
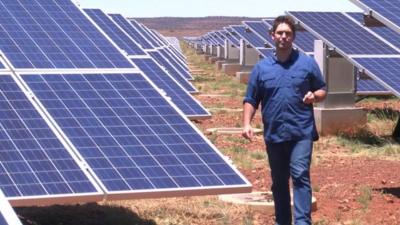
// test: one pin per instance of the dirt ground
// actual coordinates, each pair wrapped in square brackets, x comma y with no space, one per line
[349,188]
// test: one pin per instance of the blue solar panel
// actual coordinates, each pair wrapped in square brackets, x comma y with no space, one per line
[54,34]
[182,99]
[34,162]
[179,65]
[148,36]
[130,135]
[217,38]
[370,87]
[128,28]
[249,36]
[232,38]
[172,71]
[7,214]
[335,27]
[384,70]
[2,66]
[388,11]
[123,41]
[261,29]
[266,52]
[383,31]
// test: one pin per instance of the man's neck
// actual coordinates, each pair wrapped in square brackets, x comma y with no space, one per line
[283,54]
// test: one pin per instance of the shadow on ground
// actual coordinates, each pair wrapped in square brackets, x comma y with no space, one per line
[395,191]
[87,214]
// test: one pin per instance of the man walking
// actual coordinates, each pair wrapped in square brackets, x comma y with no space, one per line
[286,84]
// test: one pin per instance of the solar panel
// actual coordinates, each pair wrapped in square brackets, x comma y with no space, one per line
[145,33]
[383,31]
[7,214]
[387,11]
[370,87]
[123,41]
[54,34]
[374,60]
[217,38]
[172,71]
[261,29]
[127,44]
[384,70]
[335,27]
[232,38]
[131,137]
[179,65]
[266,52]
[183,100]
[247,35]
[35,166]
[128,28]
[157,35]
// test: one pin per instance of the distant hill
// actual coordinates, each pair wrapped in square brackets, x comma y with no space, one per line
[190,26]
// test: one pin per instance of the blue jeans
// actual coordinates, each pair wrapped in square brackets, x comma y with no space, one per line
[291,159]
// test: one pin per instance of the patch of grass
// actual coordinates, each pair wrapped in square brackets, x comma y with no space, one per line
[365,197]
[237,139]
[258,155]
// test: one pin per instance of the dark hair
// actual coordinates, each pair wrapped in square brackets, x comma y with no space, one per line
[284,19]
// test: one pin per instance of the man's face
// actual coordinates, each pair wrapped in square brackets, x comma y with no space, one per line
[283,37]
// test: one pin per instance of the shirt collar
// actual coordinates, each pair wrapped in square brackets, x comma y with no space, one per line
[292,57]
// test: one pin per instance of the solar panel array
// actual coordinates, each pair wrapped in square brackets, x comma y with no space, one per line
[387,11]
[335,25]
[365,48]
[178,94]
[128,134]
[44,34]
[34,162]
[82,121]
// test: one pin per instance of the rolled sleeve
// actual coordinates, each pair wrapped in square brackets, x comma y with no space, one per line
[253,91]
[317,81]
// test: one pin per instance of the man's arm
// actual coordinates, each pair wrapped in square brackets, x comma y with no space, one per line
[314,97]
[248,114]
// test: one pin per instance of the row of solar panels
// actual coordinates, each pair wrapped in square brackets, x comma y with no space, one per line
[364,41]
[95,106]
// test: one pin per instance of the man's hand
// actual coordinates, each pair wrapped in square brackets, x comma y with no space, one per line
[248,132]
[309,98]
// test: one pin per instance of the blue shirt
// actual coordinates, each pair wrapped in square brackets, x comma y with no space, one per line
[280,88]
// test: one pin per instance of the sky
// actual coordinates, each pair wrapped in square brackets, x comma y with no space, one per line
[202,8]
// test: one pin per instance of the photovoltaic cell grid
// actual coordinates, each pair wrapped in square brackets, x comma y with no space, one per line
[128,28]
[388,11]
[369,86]
[182,99]
[162,79]
[232,38]
[385,70]
[261,29]
[33,161]
[266,52]
[148,37]
[129,135]
[48,34]
[217,38]
[179,58]
[250,37]
[172,71]
[390,35]
[335,27]
[123,41]
[7,214]
[179,65]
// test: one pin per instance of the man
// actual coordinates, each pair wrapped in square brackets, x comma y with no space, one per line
[286,84]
